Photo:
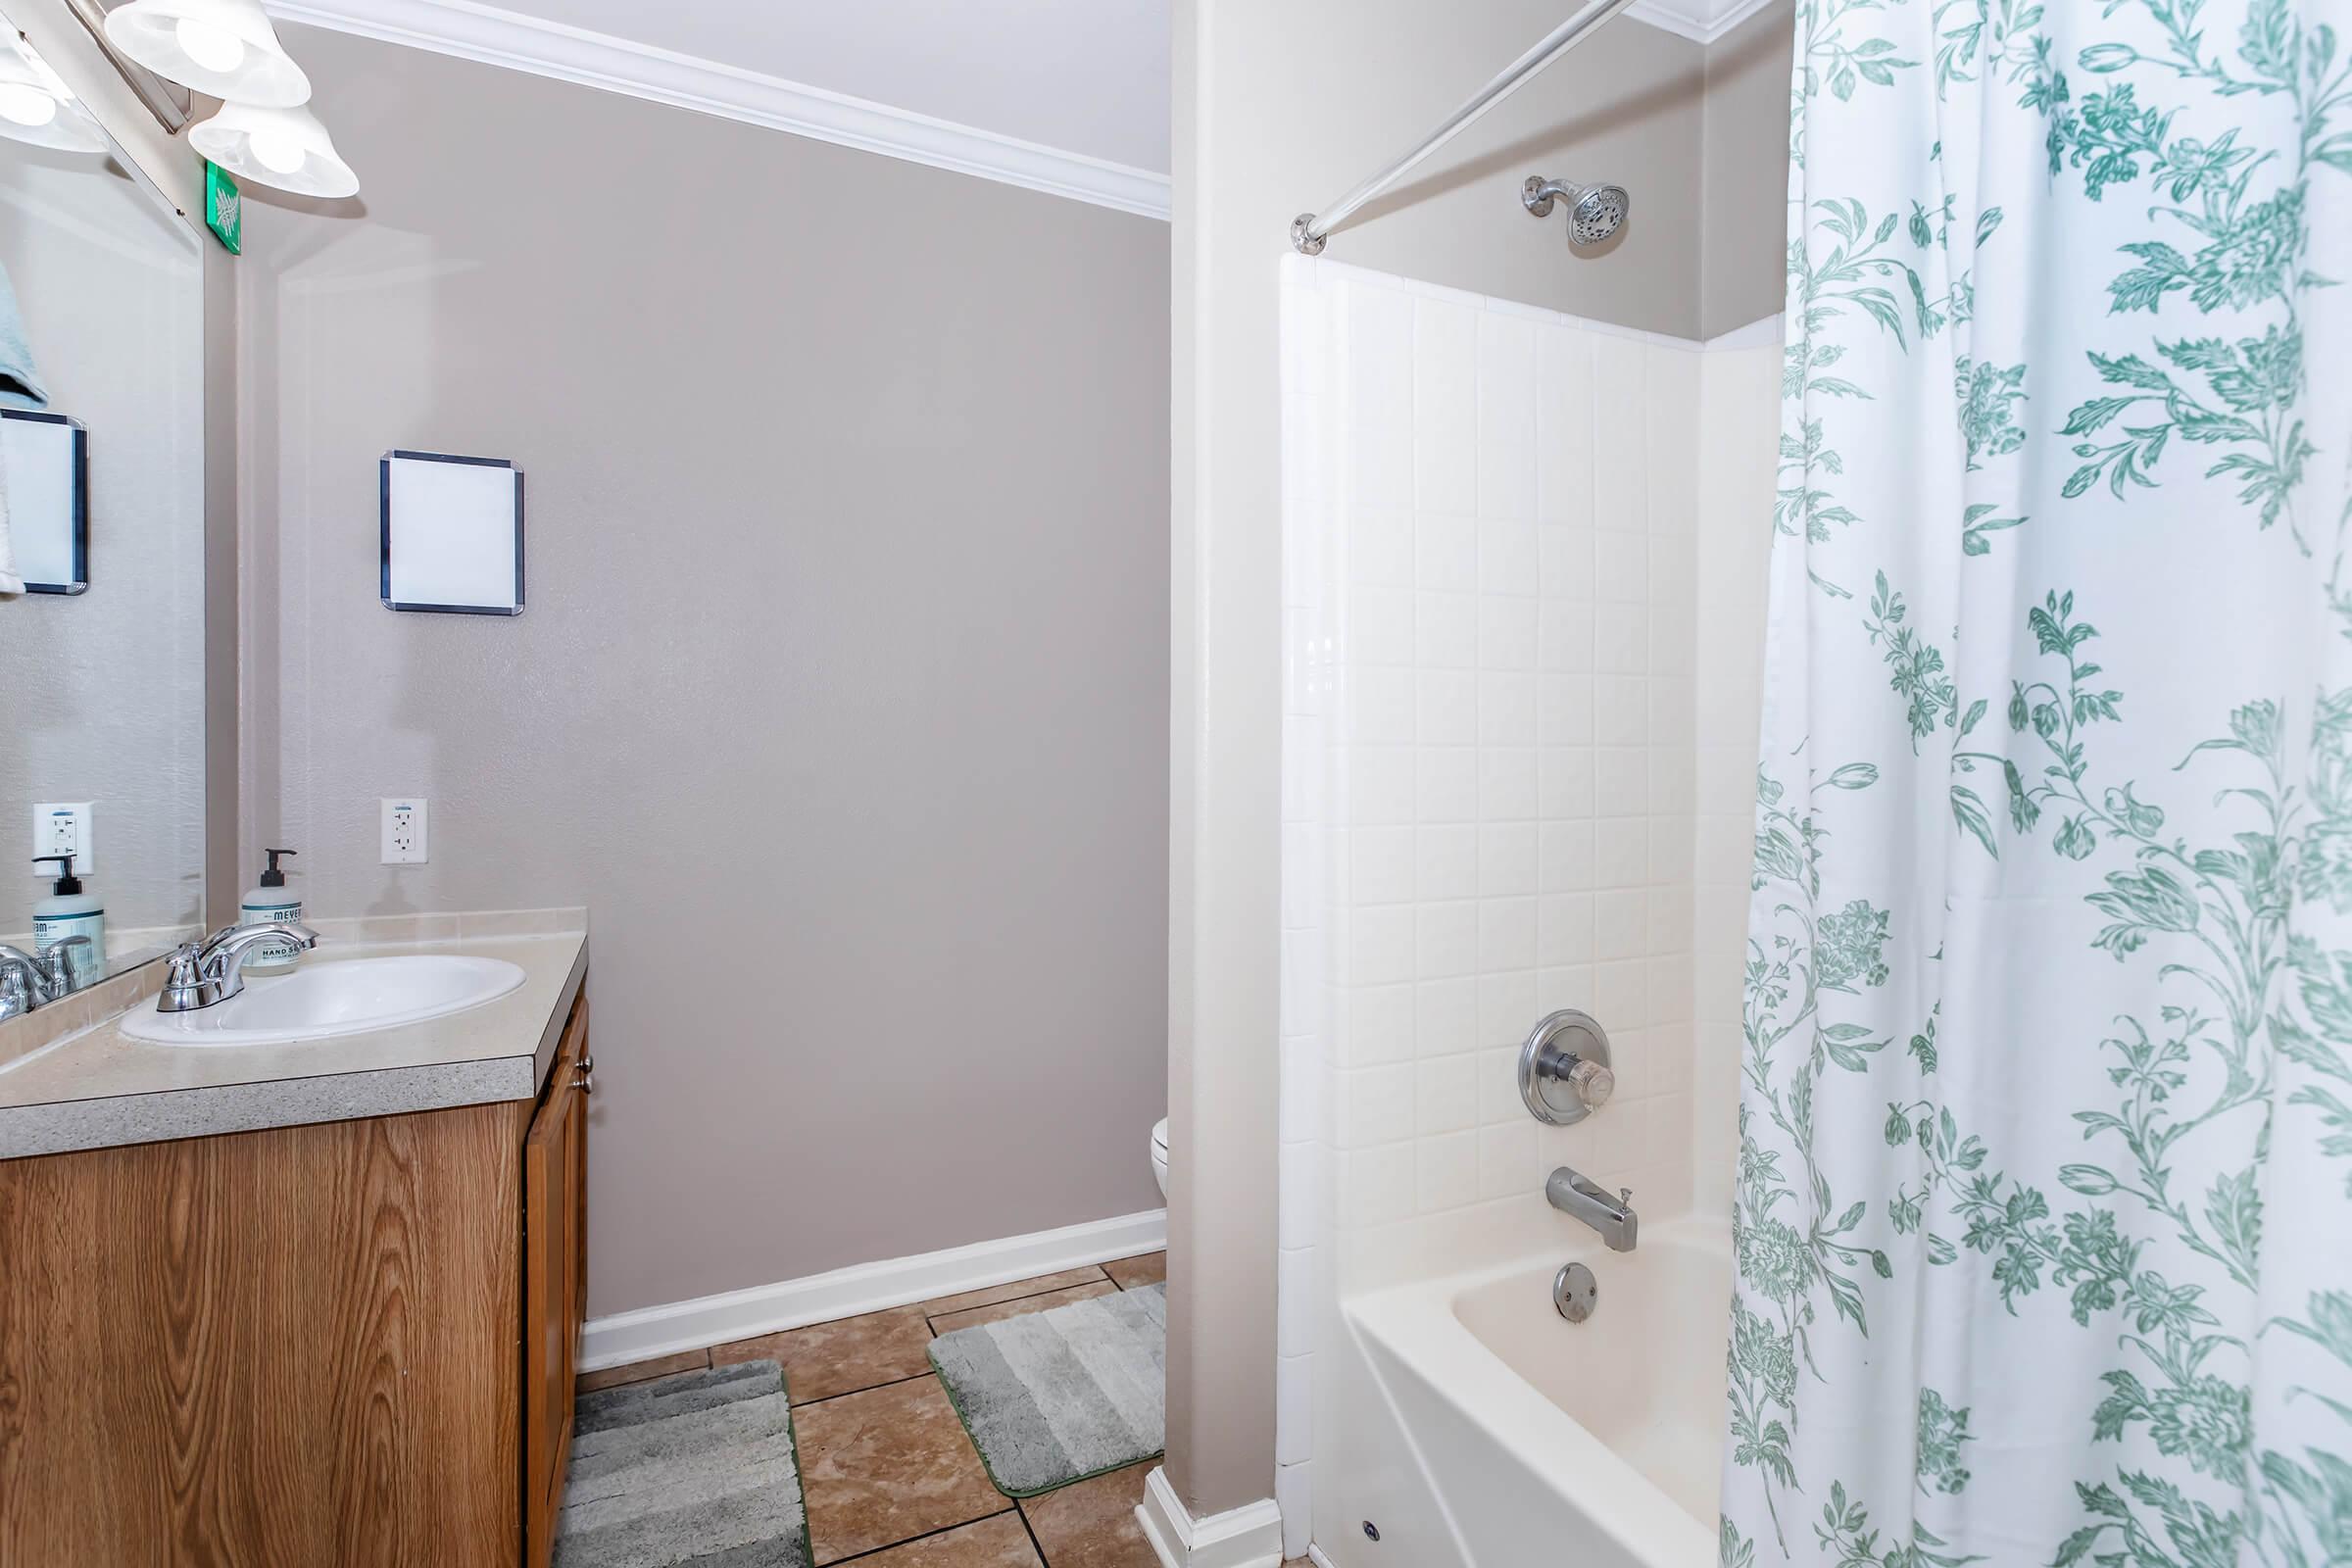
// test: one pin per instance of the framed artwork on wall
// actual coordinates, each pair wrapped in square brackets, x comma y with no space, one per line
[452,530]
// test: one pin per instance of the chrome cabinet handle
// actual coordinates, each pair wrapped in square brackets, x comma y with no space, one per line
[586,1068]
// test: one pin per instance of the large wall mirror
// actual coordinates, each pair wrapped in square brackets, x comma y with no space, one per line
[101,681]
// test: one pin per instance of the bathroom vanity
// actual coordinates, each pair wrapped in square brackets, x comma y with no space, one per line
[307,1302]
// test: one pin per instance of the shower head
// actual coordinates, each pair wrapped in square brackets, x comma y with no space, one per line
[1594,212]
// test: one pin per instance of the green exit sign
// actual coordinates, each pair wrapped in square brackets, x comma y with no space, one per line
[224,209]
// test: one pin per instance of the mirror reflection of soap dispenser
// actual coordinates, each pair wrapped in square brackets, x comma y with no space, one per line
[69,911]
[270,901]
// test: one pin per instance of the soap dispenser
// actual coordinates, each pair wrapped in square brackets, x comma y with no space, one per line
[265,903]
[69,911]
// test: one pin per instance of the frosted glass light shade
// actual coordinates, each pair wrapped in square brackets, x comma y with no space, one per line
[222,47]
[37,109]
[286,148]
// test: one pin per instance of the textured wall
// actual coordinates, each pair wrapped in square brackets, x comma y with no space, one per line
[841,699]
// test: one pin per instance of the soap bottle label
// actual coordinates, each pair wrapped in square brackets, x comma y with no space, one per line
[87,963]
[267,956]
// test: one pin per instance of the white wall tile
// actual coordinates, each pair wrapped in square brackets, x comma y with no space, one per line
[1375,1106]
[1446,1015]
[1380,785]
[1506,416]
[1446,862]
[1446,555]
[1380,946]
[1506,709]
[1506,859]
[1522,647]
[1444,1095]
[1445,407]
[1381,865]
[1374,1025]
[1507,633]
[1509,557]
[1503,1152]
[1449,707]
[1564,425]
[1506,934]
[1380,548]
[1445,784]
[1446,1171]
[1445,939]
[1293,1409]
[1507,789]
[1564,856]
[1446,630]
[1507,1007]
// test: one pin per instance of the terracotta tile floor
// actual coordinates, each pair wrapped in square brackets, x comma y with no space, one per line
[893,1481]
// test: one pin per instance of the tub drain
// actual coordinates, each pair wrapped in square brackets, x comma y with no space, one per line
[1575,1292]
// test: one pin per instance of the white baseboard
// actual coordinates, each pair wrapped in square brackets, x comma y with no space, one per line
[651,1331]
[1314,1555]
[1247,1537]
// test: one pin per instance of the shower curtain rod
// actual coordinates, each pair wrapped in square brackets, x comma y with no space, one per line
[1308,230]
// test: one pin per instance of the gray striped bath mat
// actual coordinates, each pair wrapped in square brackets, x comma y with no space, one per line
[695,1468]
[1055,1396]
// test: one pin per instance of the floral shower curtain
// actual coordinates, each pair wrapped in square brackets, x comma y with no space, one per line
[2044,1219]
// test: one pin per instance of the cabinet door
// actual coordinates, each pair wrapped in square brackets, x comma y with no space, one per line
[555,1166]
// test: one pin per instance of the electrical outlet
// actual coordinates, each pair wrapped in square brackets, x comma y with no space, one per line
[63,827]
[404,819]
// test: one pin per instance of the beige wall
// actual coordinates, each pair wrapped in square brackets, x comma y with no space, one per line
[841,699]
[1278,108]
[1744,172]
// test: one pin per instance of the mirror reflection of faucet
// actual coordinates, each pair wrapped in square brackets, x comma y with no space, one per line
[29,980]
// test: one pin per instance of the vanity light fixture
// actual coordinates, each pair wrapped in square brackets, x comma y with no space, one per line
[38,108]
[226,48]
[287,148]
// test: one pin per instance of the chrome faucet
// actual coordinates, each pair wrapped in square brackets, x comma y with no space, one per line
[34,980]
[1574,1194]
[207,973]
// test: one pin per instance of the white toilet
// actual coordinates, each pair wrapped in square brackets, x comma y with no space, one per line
[1159,1154]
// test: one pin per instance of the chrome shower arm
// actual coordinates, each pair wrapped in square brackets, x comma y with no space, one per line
[1309,230]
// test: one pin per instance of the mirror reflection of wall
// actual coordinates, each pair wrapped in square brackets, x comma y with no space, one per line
[101,690]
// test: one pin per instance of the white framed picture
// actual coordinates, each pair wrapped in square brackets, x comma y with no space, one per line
[451,534]
[46,460]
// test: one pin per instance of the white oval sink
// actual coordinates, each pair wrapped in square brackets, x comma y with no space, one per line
[340,997]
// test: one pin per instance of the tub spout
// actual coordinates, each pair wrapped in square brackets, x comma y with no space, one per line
[1574,1194]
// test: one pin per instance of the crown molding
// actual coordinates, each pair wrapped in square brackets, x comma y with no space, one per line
[1699,20]
[495,37]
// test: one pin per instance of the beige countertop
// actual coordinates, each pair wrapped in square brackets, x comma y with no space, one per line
[98,1088]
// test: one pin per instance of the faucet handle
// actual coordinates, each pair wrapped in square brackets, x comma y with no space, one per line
[1625,1197]
[1595,1082]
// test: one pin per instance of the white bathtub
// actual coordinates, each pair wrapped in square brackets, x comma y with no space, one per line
[1487,1432]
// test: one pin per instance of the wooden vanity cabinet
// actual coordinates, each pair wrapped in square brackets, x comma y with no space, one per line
[350,1342]
[555,1270]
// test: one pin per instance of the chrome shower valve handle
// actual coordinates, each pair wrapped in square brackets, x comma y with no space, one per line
[1564,1069]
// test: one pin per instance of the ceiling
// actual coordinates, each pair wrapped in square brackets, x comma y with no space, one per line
[1085,76]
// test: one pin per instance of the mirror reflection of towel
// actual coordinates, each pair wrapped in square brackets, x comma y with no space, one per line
[19,388]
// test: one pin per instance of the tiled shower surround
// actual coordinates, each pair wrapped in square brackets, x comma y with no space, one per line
[1524,589]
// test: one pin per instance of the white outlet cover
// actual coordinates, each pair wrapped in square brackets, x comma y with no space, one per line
[82,844]
[404,823]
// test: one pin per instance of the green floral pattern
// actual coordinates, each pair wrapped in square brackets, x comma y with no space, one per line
[2044,1210]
